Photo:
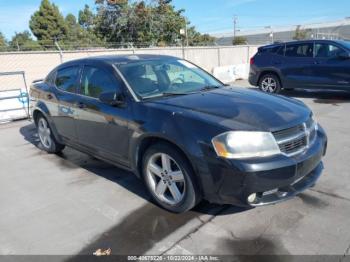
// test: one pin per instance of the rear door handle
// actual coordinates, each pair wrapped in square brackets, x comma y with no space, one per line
[81,105]
[49,96]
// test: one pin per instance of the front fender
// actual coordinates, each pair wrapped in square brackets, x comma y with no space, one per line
[191,135]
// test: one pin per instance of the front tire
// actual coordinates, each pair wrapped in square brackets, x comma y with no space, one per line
[169,178]
[46,137]
[270,83]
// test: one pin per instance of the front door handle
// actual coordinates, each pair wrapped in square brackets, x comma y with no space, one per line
[49,96]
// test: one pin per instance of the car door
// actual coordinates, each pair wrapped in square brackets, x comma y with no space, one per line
[102,128]
[297,65]
[65,97]
[331,70]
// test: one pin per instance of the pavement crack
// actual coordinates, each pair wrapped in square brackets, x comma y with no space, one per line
[330,194]
[203,223]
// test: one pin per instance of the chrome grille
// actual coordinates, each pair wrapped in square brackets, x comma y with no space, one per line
[295,140]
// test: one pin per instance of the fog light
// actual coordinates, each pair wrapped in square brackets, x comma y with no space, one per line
[252,198]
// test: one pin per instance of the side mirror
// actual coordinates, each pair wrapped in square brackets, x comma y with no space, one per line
[344,55]
[112,98]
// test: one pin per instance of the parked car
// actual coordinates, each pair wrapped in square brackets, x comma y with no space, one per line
[317,64]
[182,131]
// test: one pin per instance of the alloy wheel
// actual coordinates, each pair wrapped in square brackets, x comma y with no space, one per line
[269,85]
[166,179]
[44,133]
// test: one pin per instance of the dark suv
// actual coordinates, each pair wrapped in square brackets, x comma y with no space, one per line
[182,131]
[319,64]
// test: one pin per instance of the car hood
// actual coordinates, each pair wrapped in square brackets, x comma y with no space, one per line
[252,109]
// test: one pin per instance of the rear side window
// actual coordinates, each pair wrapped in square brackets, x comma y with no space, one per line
[96,81]
[300,50]
[281,50]
[50,79]
[66,79]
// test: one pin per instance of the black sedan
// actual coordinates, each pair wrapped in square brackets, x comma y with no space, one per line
[182,131]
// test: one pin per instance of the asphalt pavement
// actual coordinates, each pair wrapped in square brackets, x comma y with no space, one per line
[72,204]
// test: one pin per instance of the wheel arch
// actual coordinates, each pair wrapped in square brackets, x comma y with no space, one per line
[41,109]
[148,141]
[270,72]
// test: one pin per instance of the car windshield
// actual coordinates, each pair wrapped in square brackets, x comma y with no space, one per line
[158,78]
[346,44]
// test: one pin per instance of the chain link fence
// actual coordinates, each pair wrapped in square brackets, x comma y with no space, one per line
[37,65]
[19,68]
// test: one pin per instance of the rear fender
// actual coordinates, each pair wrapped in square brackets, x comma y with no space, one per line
[41,108]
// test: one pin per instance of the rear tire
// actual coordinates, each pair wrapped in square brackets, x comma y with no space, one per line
[46,137]
[169,178]
[270,83]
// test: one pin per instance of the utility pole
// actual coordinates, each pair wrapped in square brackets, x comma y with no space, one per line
[186,32]
[271,35]
[235,21]
[60,50]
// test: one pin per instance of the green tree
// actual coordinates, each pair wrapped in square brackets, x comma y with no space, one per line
[86,18]
[239,40]
[170,21]
[195,38]
[78,36]
[23,41]
[300,34]
[73,31]
[144,23]
[112,21]
[3,42]
[47,24]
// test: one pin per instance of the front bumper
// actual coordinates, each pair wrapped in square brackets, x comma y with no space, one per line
[290,191]
[272,180]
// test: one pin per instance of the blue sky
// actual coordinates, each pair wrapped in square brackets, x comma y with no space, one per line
[207,15]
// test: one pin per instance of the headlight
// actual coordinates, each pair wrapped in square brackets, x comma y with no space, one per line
[245,144]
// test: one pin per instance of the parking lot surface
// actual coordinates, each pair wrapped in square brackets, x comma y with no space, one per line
[73,204]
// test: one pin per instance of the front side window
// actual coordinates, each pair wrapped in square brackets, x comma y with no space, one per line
[66,79]
[96,81]
[299,50]
[327,51]
[153,78]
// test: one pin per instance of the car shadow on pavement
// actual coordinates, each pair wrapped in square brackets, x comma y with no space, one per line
[144,227]
[320,96]
[332,97]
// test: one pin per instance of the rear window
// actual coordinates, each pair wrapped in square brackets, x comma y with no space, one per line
[270,49]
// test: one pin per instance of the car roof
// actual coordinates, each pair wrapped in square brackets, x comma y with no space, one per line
[116,59]
[306,41]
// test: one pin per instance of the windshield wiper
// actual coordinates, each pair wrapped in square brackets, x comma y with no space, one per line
[166,94]
[174,94]
[208,88]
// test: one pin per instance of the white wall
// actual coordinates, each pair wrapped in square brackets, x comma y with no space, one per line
[36,65]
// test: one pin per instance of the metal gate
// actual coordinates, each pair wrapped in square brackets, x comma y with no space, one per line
[14,97]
